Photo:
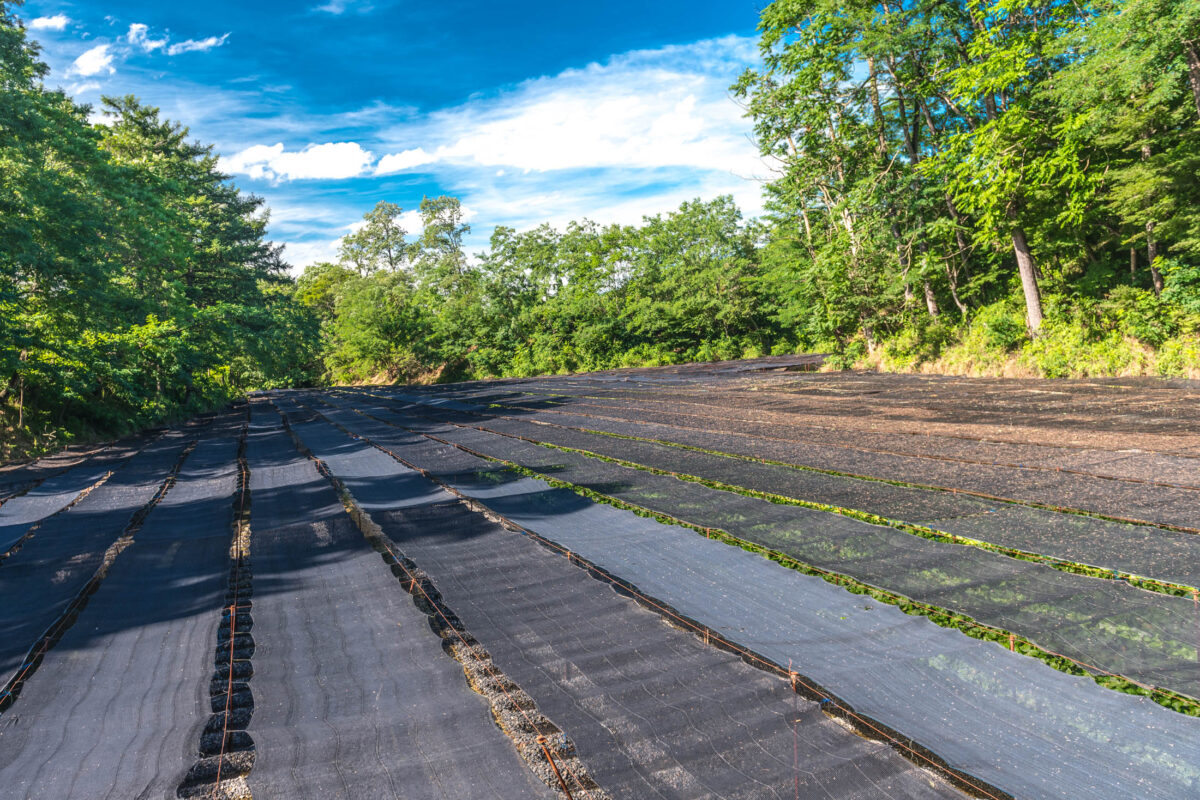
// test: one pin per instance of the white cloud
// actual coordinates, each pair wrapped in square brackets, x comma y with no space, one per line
[93,62]
[301,254]
[635,135]
[606,200]
[333,160]
[664,126]
[98,117]
[410,221]
[55,23]
[646,109]
[82,88]
[337,7]
[138,36]
[397,162]
[197,45]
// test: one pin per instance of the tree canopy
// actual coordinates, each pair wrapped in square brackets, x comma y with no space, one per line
[974,153]
[136,282]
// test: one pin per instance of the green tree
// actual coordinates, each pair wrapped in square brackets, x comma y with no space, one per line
[378,244]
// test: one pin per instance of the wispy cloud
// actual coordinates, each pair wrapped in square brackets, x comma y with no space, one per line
[139,36]
[83,87]
[94,61]
[641,110]
[197,45]
[57,22]
[101,58]
[338,7]
[633,135]
[398,162]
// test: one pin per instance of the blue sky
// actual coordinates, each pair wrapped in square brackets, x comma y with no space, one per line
[530,112]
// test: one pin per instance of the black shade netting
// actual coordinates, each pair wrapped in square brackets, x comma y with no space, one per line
[649,708]
[56,492]
[1137,549]
[1005,718]
[723,414]
[1038,481]
[41,579]
[1151,638]
[354,696]
[116,708]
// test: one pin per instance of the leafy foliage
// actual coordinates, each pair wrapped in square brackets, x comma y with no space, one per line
[927,148]
[135,281]
[680,287]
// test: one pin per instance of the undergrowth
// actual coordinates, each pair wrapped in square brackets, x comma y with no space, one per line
[1130,332]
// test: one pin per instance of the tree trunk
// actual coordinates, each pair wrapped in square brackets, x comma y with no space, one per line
[1193,62]
[1133,262]
[959,239]
[874,84]
[954,289]
[989,100]
[808,239]
[869,335]
[902,257]
[1028,270]
[1151,253]
[21,357]
[931,300]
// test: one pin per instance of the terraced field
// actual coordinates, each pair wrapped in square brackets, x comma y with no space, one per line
[737,580]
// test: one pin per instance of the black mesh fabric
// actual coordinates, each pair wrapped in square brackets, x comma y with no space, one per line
[353,694]
[650,709]
[1161,467]
[16,479]
[55,491]
[1149,637]
[116,708]
[1140,550]
[1151,409]
[907,423]
[1006,718]
[1036,481]
[40,580]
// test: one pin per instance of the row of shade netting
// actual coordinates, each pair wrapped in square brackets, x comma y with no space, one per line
[1057,477]
[18,479]
[117,706]
[821,425]
[1147,411]
[652,711]
[1149,637]
[40,580]
[353,694]
[55,492]
[1159,468]
[798,421]
[1147,551]
[1005,718]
